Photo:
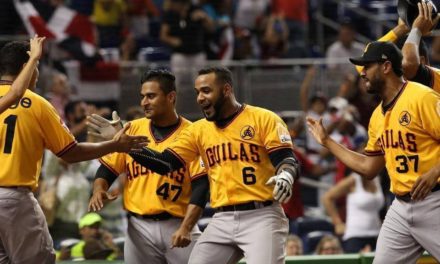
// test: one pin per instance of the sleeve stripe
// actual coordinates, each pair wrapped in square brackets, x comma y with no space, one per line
[199,175]
[177,156]
[373,153]
[278,148]
[108,167]
[66,148]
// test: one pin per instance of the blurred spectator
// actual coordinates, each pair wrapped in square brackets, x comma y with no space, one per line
[364,201]
[275,39]
[110,19]
[90,229]
[59,93]
[139,13]
[95,249]
[72,190]
[183,29]
[220,45]
[249,13]
[294,246]
[354,90]
[295,13]
[344,47]
[435,52]
[134,112]
[329,245]
[76,113]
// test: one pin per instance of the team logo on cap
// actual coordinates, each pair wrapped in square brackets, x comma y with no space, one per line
[404,118]
[247,132]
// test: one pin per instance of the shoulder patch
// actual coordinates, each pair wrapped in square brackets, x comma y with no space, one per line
[283,133]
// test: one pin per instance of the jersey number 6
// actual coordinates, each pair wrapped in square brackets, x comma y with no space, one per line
[249,177]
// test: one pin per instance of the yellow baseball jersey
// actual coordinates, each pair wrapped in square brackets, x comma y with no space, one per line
[408,134]
[148,193]
[26,129]
[435,78]
[236,156]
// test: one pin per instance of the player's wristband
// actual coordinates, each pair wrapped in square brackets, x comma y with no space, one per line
[414,36]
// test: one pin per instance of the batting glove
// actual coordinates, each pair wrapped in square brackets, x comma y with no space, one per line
[283,186]
[102,128]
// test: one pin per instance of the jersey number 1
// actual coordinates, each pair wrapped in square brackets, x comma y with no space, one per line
[10,122]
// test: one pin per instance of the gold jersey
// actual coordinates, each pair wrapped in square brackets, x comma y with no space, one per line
[236,156]
[407,134]
[26,129]
[146,192]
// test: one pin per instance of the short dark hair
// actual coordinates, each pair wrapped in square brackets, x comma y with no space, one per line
[222,74]
[166,80]
[12,57]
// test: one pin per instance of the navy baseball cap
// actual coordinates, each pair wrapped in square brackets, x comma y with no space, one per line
[380,51]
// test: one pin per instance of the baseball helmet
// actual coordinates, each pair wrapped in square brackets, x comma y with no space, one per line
[408,10]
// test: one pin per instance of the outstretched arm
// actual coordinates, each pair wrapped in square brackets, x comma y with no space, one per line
[21,83]
[368,166]
[159,162]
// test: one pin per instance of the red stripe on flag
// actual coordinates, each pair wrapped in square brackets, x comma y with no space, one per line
[40,27]
[81,27]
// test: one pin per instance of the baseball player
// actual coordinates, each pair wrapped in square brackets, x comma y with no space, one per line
[242,147]
[404,135]
[156,204]
[415,53]
[21,83]
[26,129]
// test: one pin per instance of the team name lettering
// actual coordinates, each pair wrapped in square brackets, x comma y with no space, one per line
[220,153]
[398,139]
[24,102]
[135,170]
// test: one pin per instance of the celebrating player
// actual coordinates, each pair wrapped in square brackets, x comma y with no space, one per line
[155,203]
[404,135]
[21,83]
[242,147]
[26,128]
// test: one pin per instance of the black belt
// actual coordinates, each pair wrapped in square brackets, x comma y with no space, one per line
[244,206]
[155,217]
[407,197]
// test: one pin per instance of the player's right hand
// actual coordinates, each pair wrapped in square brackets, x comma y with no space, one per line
[127,143]
[317,129]
[424,21]
[36,47]
[181,238]
[102,128]
[99,198]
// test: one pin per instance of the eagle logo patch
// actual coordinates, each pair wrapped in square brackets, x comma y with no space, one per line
[404,118]
[247,132]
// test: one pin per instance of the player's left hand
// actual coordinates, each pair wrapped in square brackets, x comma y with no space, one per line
[181,238]
[423,185]
[283,186]
[102,128]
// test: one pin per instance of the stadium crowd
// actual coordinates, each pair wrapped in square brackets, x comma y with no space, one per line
[342,215]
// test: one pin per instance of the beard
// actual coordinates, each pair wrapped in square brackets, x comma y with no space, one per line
[376,85]
[216,109]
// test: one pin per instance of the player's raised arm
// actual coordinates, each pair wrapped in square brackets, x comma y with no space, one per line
[120,143]
[22,82]
[421,26]
[368,166]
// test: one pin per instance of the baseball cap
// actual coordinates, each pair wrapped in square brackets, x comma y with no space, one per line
[89,219]
[380,51]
